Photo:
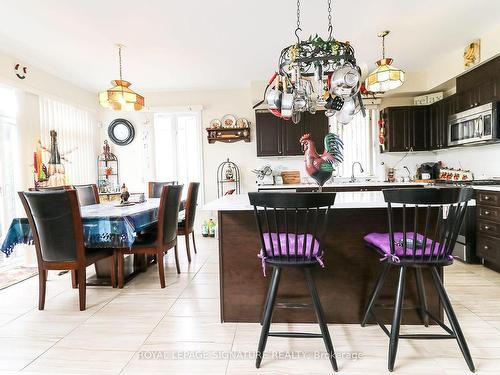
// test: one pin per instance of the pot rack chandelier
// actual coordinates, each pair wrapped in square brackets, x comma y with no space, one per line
[120,97]
[385,77]
[313,73]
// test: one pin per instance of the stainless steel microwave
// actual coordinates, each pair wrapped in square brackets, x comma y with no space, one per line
[479,124]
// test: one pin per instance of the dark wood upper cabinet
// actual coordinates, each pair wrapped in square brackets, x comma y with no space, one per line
[406,128]
[277,137]
[479,86]
[268,134]
[418,128]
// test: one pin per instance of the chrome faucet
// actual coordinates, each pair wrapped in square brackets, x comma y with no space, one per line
[361,170]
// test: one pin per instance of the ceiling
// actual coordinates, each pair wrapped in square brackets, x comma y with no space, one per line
[215,44]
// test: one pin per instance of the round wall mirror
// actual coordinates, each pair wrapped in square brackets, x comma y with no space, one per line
[121,132]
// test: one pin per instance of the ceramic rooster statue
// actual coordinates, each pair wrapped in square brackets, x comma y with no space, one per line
[320,167]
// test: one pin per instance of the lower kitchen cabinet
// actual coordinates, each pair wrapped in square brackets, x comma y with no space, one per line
[488,227]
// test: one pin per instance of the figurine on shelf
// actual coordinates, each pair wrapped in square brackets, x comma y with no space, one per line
[229,173]
[124,196]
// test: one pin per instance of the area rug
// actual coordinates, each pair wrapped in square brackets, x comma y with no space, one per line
[14,275]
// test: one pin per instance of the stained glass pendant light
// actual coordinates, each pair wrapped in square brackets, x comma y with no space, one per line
[385,77]
[120,97]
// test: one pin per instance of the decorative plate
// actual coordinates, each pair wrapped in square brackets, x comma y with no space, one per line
[242,123]
[121,132]
[228,121]
[215,123]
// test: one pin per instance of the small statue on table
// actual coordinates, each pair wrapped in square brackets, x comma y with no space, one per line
[125,195]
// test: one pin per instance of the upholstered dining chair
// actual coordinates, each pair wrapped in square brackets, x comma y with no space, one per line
[87,194]
[154,187]
[56,224]
[423,227]
[186,226]
[291,229]
[163,239]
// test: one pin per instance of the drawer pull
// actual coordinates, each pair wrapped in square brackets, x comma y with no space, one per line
[487,213]
[486,227]
[486,247]
[486,197]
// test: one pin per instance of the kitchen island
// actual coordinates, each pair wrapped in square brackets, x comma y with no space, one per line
[344,285]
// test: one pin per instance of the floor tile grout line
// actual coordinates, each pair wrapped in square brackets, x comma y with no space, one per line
[71,331]
[163,317]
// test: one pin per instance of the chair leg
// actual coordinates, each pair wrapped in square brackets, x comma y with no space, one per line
[266,302]
[267,316]
[74,279]
[82,287]
[112,263]
[176,255]
[161,268]
[375,293]
[194,242]
[396,320]
[320,316]
[120,261]
[42,287]
[422,299]
[450,313]
[186,237]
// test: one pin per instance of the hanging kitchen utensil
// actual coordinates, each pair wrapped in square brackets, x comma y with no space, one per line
[286,101]
[266,90]
[346,114]
[345,82]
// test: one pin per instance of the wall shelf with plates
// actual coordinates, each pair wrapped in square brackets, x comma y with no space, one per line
[228,135]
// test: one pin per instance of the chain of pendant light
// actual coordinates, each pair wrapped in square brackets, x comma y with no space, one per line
[120,59]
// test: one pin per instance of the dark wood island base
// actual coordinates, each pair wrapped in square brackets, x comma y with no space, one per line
[344,285]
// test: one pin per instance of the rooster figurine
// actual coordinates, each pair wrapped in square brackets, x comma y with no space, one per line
[320,167]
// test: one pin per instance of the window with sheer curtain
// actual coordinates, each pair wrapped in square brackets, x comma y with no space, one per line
[359,142]
[76,137]
[8,157]
[178,150]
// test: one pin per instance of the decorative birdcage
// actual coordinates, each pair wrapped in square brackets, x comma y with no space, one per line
[228,179]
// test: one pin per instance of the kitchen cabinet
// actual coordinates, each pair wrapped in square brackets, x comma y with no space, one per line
[277,137]
[406,128]
[438,121]
[488,227]
[479,85]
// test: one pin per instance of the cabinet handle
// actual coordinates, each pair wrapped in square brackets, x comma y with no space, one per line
[486,227]
[486,197]
[486,247]
[486,213]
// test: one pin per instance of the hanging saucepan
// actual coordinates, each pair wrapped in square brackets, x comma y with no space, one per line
[346,114]
[345,82]
[273,95]
[286,102]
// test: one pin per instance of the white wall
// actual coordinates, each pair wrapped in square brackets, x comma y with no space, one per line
[36,83]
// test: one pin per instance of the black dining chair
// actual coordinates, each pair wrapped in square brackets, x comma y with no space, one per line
[56,224]
[291,229]
[155,187]
[186,226]
[164,237]
[423,227]
[87,194]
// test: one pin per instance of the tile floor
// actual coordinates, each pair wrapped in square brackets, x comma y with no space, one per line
[143,329]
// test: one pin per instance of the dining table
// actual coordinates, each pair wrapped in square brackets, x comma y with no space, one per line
[105,225]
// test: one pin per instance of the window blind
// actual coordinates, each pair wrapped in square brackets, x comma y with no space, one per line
[76,137]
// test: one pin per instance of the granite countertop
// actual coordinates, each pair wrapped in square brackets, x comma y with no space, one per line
[358,199]
[342,184]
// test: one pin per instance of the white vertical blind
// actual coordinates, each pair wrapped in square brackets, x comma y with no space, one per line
[76,137]
[358,138]
[8,156]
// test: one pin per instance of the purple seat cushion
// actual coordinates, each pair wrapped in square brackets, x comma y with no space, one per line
[383,242]
[311,250]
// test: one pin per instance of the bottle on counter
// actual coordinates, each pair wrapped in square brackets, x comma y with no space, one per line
[211,228]
[204,229]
